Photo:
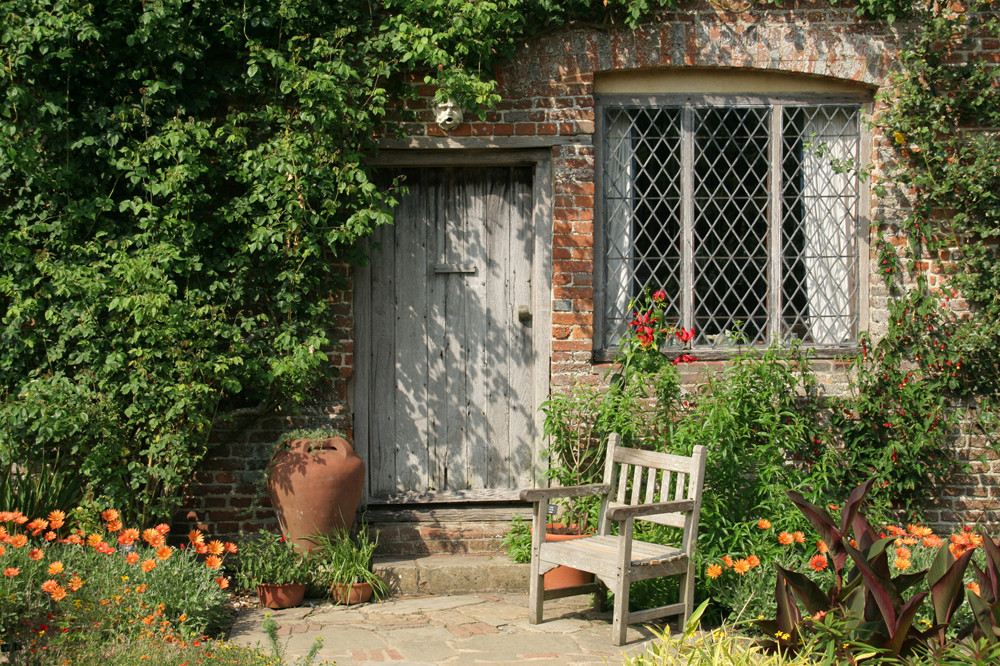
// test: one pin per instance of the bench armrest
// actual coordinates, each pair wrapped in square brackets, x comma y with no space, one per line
[620,513]
[539,494]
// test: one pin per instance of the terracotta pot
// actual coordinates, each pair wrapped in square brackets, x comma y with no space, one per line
[287,595]
[563,576]
[351,593]
[315,487]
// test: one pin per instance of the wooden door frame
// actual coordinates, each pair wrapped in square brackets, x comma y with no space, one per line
[541,278]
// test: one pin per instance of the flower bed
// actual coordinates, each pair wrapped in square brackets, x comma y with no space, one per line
[62,585]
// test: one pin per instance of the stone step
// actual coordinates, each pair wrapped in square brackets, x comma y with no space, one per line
[452,574]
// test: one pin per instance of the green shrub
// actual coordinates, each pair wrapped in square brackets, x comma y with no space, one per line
[517,541]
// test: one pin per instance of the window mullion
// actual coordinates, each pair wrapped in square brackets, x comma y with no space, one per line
[774,304]
[687,216]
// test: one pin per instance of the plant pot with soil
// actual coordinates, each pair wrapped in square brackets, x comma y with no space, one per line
[270,564]
[518,544]
[343,564]
[563,576]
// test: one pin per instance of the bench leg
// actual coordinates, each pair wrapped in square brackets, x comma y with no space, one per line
[601,598]
[687,595]
[619,626]
[536,594]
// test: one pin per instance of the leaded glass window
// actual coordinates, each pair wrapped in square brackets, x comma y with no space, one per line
[748,215]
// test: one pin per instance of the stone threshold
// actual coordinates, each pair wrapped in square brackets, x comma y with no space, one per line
[452,574]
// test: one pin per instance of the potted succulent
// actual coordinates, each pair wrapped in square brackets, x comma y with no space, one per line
[315,480]
[272,565]
[343,563]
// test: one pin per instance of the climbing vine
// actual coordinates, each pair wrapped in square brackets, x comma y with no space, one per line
[935,374]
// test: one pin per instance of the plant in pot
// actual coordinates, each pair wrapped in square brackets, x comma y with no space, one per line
[314,479]
[576,455]
[343,564]
[272,565]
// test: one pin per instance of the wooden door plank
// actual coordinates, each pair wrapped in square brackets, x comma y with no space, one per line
[522,433]
[362,379]
[491,452]
[437,330]
[382,466]
[410,441]
[455,352]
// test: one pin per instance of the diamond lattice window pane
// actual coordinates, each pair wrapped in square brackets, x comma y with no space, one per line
[731,176]
[642,211]
[819,224]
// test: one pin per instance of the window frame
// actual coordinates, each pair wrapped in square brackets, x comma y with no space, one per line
[602,101]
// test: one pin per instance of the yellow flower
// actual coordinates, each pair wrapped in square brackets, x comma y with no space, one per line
[900,139]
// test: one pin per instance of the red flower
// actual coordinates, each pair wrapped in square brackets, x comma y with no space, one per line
[685,358]
[660,296]
[685,335]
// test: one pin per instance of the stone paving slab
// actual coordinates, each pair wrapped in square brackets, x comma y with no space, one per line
[453,629]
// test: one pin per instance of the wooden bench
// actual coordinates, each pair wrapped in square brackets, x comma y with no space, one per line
[638,485]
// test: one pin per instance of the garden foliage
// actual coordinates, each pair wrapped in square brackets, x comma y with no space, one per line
[876,602]
[64,586]
[181,184]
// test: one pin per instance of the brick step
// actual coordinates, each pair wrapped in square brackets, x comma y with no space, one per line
[452,574]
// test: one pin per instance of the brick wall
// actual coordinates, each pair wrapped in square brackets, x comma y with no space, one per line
[548,99]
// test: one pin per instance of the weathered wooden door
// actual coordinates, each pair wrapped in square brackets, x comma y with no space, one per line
[445,356]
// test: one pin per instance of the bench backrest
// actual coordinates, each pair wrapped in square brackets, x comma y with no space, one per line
[639,477]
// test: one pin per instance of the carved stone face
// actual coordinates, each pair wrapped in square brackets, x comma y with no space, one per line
[448,115]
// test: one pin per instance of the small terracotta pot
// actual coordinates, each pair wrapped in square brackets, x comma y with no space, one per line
[287,595]
[351,593]
[315,487]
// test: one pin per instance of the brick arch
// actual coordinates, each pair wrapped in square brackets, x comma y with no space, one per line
[810,39]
